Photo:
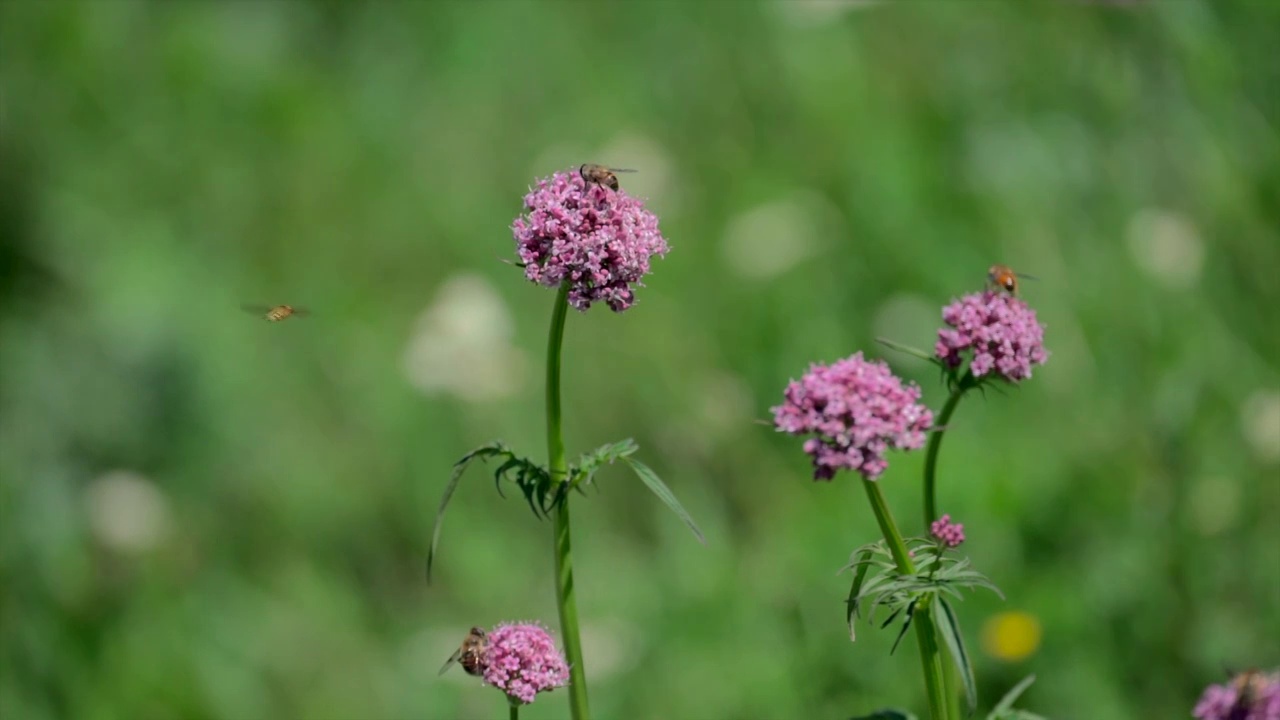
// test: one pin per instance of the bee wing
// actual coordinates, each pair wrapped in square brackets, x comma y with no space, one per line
[301,312]
[452,659]
[623,170]
[1024,276]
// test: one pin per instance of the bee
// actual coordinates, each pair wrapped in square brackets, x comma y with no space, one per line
[1249,686]
[601,175]
[471,654]
[1005,278]
[275,314]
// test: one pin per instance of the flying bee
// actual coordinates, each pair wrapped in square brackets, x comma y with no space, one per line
[275,314]
[601,175]
[471,654]
[1005,278]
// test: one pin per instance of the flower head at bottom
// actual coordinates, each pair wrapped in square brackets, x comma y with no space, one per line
[1248,696]
[522,661]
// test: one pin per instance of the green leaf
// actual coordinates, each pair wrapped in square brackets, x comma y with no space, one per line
[511,462]
[886,715]
[1006,702]
[655,484]
[584,470]
[854,591]
[950,627]
[910,351]
[484,451]
[910,613]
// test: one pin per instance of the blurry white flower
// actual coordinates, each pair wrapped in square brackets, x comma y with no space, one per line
[461,344]
[1167,246]
[1260,423]
[772,238]
[127,512]
[1214,504]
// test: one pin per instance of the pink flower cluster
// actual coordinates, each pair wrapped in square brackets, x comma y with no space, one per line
[599,240]
[858,410]
[522,661]
[1001,330]
[1249,696]
[949,533]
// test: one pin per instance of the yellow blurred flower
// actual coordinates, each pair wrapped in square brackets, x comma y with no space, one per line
[1011,636]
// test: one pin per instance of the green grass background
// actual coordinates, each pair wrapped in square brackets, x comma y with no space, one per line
[825,173]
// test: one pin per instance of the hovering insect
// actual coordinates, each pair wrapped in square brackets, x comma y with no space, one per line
[1005,278]
[601,175]
[471,654]
[275,314]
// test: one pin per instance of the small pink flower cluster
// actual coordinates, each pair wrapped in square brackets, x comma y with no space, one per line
[1249,696]
[522,661]
[599,240]
[1001,330]
[858,410]
[949,533]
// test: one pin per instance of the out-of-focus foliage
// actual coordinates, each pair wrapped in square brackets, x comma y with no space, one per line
[205,515]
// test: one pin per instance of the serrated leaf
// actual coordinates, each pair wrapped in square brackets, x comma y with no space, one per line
[1006,702]
[584,470]
[870,587]
[906,624]
[924,563]
[659,488]
[950,627]
[532,491]
[886,715]
[854,591]
[511,462]
[892,616]
[494,448]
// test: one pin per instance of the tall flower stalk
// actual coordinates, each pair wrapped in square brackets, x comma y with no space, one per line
[593,244]
[854,411]
[561,535]
[1001,338]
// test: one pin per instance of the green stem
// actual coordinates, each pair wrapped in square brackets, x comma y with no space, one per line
[950,682]
[930,659]
[888,528]
[951,689]
[514,706]
[931,454]
[558,466]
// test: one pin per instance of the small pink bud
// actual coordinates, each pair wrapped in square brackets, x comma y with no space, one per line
[949,533]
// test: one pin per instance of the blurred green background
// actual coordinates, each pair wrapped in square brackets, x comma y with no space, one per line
[204,515]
